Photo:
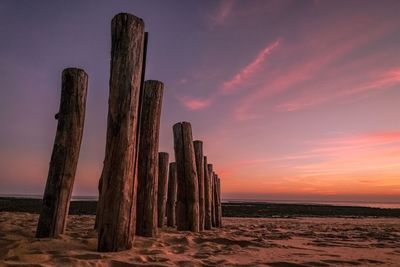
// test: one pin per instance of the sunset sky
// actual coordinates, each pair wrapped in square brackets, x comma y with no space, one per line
[293,99]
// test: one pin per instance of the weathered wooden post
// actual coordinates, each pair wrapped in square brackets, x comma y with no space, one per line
[207,196]
[172,191]
[163,159]
[117,212]
[211,174]
[219,202]
[198,153]
[146,211]
[216,202]
[187,207]
[64,158]
[99,206]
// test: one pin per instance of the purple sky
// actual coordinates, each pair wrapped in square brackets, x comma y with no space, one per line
[293,99]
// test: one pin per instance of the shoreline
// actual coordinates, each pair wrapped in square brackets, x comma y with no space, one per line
[230,209]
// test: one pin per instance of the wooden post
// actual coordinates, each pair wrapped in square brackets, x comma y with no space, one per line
[216,201]
[146,211]
[163,159]
[64,158]
[172,191]
[207,197]
[187,207]
[211,174]
[219,202]
[198,153]
[117,212]
[143,70]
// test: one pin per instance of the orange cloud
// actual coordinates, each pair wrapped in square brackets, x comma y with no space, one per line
[329,166]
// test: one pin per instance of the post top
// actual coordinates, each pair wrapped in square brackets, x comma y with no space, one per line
[154,81]
[74,70]
[182,122]
[127,16]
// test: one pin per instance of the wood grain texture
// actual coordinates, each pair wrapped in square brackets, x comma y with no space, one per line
[163,160]
[211,174]
[219,202]
[198,153]
[216,209]
[65,155]
[172,194]
[117,216]
[207,196]
[187,207]
[146,220]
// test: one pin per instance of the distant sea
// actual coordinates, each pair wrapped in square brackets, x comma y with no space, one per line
[384,205]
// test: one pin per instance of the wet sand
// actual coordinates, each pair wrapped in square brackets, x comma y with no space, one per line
[260,210]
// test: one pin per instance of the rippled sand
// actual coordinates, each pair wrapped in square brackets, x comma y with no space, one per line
[242,242]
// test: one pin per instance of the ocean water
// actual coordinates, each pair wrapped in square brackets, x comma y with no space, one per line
[383,205]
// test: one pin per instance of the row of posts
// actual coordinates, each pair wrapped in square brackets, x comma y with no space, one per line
[138,186]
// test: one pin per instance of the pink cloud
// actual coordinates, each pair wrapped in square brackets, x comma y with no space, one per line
[374,138]
[339,147]
[321,50]
[319,95]
[244,74]
[195,103]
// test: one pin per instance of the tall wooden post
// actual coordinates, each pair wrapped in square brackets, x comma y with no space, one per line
[207,196]
[99,206]
[64,159]
[172,191]
[219,202]
[211,174]
[187,208]
[146,211]
[117,212]
[198,152]
[163,159]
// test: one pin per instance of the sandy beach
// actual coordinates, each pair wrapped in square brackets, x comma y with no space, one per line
[241,242]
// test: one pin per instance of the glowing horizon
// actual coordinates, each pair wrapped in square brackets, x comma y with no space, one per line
[292,99]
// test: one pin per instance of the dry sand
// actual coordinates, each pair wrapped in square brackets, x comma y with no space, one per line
[242,242]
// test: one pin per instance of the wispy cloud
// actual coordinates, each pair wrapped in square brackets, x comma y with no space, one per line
[195,103]
[340,148]
[222,13]
[320,53]
[249,70]
[319,96]
[228,87]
